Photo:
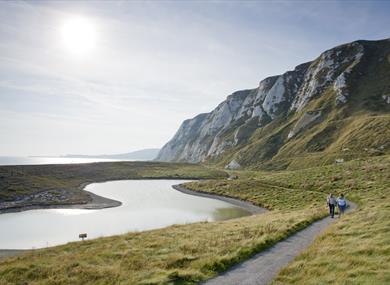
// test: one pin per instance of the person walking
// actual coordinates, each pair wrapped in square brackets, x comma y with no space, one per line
[342,204]
[332,204]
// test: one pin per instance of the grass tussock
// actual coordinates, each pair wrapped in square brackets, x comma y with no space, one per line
[263,194]
[182,254]
[354,250]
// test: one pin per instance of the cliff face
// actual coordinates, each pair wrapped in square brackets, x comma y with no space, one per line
[278,100]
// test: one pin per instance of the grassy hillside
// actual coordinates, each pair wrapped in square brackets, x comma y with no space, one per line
[358,128]
[356,248]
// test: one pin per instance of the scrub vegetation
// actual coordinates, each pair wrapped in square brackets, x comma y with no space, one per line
[354,250]
[26,185]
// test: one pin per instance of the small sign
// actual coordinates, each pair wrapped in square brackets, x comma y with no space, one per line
[83,236]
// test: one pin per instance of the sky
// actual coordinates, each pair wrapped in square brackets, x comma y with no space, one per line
[116,76]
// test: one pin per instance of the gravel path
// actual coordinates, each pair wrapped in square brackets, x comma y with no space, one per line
[264,266]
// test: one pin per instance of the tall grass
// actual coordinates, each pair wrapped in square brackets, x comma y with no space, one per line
[355,250]
[182,254]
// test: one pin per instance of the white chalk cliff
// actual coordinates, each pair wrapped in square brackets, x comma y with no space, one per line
[234,120]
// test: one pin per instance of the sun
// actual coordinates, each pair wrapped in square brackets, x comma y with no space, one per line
[79,35]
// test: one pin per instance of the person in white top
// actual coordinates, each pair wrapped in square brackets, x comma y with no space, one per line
[331,204]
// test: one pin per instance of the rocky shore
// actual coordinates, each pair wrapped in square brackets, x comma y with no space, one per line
[47,200]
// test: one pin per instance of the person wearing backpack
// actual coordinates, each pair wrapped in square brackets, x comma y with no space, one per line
[342,204]
[331,204]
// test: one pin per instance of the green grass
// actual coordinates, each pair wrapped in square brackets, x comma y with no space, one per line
[360,125]
[266,195]
[182,254]
[354,250]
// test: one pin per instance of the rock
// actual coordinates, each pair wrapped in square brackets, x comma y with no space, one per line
[325,70]
[307,119]
[386,98]
[233,165]
[341,99]
[234,121]
[232,177]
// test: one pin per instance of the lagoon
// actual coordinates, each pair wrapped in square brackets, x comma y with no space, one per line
[146,205]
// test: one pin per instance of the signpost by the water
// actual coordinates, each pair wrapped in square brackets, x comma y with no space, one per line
[83,236]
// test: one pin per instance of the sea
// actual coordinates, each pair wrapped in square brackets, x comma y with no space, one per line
[35,160]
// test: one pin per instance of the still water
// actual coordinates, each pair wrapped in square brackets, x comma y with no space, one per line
[147,204]
[33,160]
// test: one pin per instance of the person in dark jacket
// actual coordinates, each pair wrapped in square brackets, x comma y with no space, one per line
[331,204]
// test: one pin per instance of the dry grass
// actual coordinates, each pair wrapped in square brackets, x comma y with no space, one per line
[354,250]
[182,254]
[263,194]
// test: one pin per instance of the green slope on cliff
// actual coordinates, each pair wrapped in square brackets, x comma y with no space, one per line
[325,130]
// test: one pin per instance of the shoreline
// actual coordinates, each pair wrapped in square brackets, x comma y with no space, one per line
[253,209]
[97,202]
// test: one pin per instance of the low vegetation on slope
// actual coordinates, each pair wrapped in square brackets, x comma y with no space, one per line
[334,107]
[265,195]
[354,250]
[183,254]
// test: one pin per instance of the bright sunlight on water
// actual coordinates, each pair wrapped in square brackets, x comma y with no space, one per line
[147,204]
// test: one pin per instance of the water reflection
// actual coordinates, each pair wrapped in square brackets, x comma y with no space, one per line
[147,204]
[72,212]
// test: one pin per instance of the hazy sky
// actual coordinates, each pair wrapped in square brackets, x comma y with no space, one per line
[151,64]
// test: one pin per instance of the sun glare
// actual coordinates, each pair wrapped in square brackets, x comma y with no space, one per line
[79,35]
